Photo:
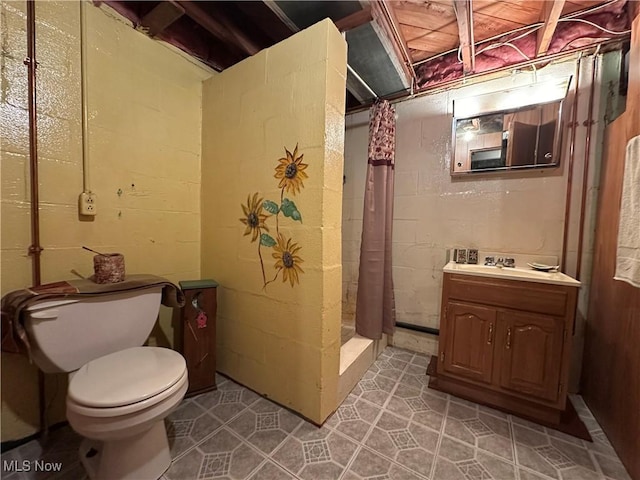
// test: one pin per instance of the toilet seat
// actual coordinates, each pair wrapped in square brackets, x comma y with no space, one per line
[126,381]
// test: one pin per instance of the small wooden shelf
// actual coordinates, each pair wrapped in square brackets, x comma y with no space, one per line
[194,338]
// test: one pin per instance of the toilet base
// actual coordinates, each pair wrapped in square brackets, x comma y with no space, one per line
[144,456]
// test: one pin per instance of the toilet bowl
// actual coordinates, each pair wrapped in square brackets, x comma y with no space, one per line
[118,403]
[119,392]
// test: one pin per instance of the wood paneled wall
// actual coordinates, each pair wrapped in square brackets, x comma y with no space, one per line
[611,371]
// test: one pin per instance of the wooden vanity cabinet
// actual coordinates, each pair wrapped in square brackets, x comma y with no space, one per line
[468,341]
[506,343]
[530,354]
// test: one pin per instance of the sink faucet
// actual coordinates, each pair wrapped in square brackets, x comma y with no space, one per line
[500,262]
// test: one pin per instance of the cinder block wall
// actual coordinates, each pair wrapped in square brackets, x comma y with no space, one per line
[282,341]
[144,132]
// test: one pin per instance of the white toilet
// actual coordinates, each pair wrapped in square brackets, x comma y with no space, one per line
[119,392]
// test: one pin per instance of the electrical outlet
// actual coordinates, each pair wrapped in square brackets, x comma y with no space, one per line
[87,203]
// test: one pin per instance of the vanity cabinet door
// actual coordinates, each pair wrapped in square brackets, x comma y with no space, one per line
[468,349]
[530,353]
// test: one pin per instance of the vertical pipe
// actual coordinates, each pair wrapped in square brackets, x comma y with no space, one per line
[35,248]
[567,202]
[587,153]
[84,95]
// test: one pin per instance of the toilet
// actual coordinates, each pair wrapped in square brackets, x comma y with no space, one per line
[119,391]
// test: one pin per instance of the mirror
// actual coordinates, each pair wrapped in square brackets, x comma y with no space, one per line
[523,138]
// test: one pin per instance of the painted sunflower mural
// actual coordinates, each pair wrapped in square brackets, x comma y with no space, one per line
[286,259]
[291,174]
[253,217]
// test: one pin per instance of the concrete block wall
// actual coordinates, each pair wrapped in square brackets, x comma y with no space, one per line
[144,158]
[280,340]
[433,212]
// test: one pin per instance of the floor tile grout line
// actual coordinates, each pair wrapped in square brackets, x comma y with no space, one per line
[361,444]
[269,456]
[440,436]
[207,437]
[482,450]
[513,446]
[537,473]
[595,461]
[256,469]
[392,461]
[593,455]
[409,420]
[582,446]
[281,444]
[243,441]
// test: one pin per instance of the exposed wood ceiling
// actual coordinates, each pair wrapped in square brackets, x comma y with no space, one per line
[395,47]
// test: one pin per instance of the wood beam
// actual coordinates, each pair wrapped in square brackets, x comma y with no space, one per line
[220,26]
[550,15]
[401,38]
[464,16]
[382,18]
[355,19]
[163,15]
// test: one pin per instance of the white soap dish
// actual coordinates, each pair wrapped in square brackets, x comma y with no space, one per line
[541,267]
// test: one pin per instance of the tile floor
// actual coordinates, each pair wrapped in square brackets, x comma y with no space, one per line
[391,427]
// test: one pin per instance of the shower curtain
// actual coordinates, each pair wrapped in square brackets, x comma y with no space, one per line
[375,306]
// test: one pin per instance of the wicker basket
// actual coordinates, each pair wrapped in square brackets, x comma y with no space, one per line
[108,268]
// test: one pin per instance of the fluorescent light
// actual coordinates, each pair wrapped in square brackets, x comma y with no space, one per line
[512,98]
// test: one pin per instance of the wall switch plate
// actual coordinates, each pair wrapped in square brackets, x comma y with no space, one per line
[87,203]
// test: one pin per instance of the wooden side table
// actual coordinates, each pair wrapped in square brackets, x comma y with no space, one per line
[194,334]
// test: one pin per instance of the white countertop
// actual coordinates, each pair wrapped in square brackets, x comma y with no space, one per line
[521,274]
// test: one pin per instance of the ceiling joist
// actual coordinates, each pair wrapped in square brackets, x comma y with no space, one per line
[383,18]
[354,20]
[163,15]
[464,16]
[221,27]
[550,15]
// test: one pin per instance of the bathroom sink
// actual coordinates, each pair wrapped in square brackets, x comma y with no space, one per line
[518,273]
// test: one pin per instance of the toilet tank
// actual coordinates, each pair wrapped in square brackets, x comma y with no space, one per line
[67,333]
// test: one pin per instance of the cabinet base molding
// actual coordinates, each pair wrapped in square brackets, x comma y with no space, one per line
[566,421]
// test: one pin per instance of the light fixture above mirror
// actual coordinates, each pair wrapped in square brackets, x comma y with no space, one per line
[509,130]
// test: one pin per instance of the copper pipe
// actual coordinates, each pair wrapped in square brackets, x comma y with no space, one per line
[585,172]
[567,202]
[35,248]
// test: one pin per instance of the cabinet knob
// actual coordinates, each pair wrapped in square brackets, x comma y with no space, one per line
[508,338]
[490,339]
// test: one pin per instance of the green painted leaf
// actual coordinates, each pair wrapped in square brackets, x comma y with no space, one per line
[290,210]
[271,207]
[267,240]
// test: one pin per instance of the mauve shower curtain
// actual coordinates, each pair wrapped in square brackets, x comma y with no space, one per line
[375,307]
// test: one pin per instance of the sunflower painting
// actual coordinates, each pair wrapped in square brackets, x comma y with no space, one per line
[253,217]
[286,259]
[291,174]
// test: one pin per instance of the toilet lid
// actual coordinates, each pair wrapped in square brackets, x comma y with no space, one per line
[126,377]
